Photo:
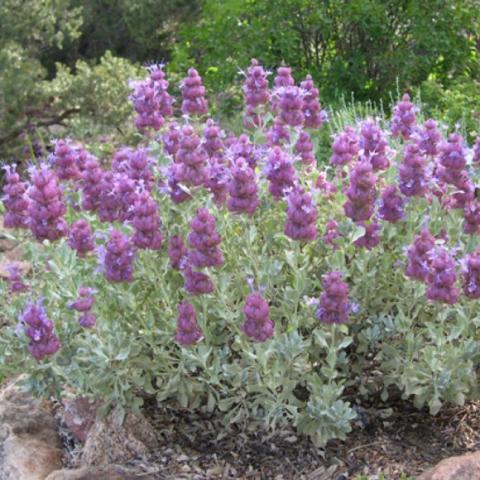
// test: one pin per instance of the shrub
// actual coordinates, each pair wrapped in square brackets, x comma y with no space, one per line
[229,275]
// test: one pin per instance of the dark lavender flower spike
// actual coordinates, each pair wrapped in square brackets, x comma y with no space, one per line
[242,189]
[404,118]
[14,199]
[80,237]
[441,277]
[301,216]
[417,256]
[392,207]
[280,172]
[257,326]
[471,275]
[39,329]
[119,257]
[146,222]
[345,147]
[334,306]
[188,331]
[314,116]
[193,94]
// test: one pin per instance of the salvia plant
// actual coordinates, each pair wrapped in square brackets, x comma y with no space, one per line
[243,274]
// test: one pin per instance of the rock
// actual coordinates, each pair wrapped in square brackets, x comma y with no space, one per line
[79,416]
[108,442]
[29,444]
[464,467]
[104,472]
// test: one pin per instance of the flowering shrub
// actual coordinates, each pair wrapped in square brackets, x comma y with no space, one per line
[243,274]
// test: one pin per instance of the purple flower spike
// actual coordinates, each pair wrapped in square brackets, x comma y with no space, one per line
[374,145]
[46,208]
[413,172]
[361,193]
[188,331]
[243,148]
[370,239]
[119,257]
[476,151]
[87,320]
[177,252]
[290,103]
[313,114]
[146,222]
[15,281]
[151,100]
[404,118]
[471,275]
[427,138]
[14,199]
[63,159]
[191,158]
[85,300]
[471,215]
[204,240]
[304,148]
[334,307]
[39,329]
[280,172]
[392,208]
[193,94]
[197,283]
[345,147]
[278,133]
[417,255]
[91,184]
[257,326]
[171,139]
[255,87]
[301,216]
[217,183]
[441,277]
[242,189]
[80,237]
[331,234]
[213,140]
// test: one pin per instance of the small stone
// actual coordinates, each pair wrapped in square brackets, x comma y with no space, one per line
[104,472]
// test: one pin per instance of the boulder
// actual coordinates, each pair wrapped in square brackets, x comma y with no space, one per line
[463,467]
[29,444]
[104,472]
[111,441]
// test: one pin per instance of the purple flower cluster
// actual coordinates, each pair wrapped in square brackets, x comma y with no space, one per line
[80,237]
[213,140]
[304,148]
[242,147]
[476,151]
[279,172]
[217,182]
[256,93]
[257,326]
[171,139]
[188,332]
[204,240]
[427,138]
[392,207]
[334,306]
[370,239]
[413,172]
[14,279]
[177,252]
[14,199]
[284,77]
[441,277]
[46,207]
[138,167]
[361,193]
[471,215]
[331,234]
[471,275]
[91,184]
[313,114]
[278,133]
[418,256]
[64,161]
[151,100]
[290,104]
[193,94]
[374,144]
[196,283]
[345,147]
[39,329]
[301,216]
[242,189]
[146,222]
[84,304]
[118,258]
[404,118]
[191,159]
